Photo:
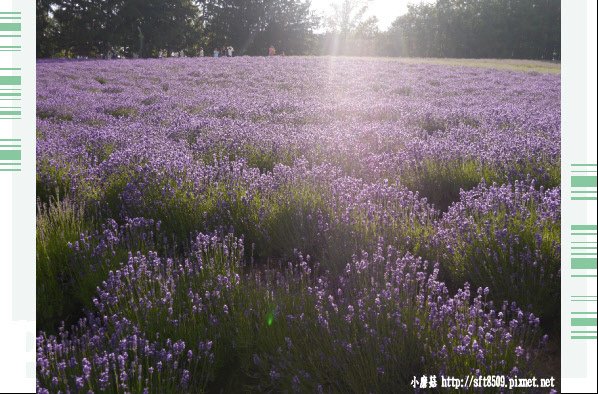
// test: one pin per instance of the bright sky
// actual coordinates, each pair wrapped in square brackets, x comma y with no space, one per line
[386,10]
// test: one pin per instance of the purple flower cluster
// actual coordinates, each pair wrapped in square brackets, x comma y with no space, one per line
[507,236]
[110,354]
[174,323]
[373,119]
[388,314]
[138,338]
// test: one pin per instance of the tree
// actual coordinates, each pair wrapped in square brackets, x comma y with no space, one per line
[81,26]
[525,29]
[94,27]
[170,25]
[350,31]
[251,26]
[446,28]
[45,40]
[289,27]
[346,16]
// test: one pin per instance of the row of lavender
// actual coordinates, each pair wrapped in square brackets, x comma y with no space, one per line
[357,165]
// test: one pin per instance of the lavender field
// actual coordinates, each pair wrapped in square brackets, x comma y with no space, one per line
[294,224]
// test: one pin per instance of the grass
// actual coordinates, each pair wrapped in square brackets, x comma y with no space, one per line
[58,223]
[123,112]
[54,115]
[101,80]
[262,158]
[52,180]
[289,222]
[440,181]
[539,66]
[100,151]
[75,254]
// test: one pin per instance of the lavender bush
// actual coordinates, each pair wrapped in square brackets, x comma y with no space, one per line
[161,323]
[509,236]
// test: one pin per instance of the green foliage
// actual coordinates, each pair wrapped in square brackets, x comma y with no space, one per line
[518,253]
[75,254]
[148,27]
[52,180]
[517,29]
[123,112]
[441,182]
[100,151]
[265,158]
[55,115]
[101,80]
[251,26]
[46,43]
[93,28]
[58,223]
[290,222]
[226,318]
[302,346]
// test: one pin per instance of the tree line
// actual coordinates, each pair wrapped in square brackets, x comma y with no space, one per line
[524,29]
[521,29]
